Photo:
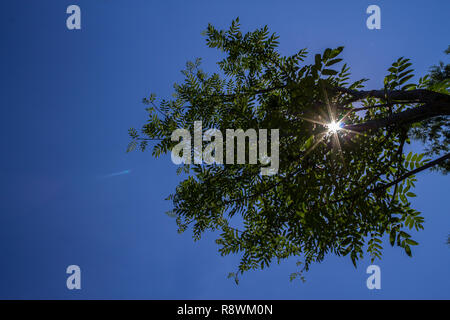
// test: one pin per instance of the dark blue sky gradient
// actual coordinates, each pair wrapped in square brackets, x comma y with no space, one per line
[69,97]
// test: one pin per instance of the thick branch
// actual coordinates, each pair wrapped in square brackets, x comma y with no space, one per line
[413,115]
[418,95]
[373,107]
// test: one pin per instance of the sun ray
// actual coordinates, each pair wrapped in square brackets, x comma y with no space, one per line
[339,148]
[333,126]
[327,102]
[352,131]
[321,136]
[314,121]
[346,115]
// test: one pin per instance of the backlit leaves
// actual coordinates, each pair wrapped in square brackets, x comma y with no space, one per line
[324,200]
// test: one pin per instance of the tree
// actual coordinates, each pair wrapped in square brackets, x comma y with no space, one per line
[435,132]
[344,180]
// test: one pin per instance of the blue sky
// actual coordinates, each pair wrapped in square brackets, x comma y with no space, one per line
[69,97]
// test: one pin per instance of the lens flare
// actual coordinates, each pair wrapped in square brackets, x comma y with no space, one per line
[334,127]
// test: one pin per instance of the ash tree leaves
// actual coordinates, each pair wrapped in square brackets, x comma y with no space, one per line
[328,60]
[134,136]
[327,198]
[435,133]
[399,75]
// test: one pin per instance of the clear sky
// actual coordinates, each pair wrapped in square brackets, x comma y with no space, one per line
[71,195]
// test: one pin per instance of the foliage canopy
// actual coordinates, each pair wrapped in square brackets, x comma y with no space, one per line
[335,193]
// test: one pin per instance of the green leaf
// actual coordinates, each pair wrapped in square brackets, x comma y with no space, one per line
[329,72]
[318,61]
[392,237]
[309,142]
[132,145]
[409,157]
[336,52]
[411,242]
[334,61]
[408,250]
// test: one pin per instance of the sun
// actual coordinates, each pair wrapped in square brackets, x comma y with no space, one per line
[334,126]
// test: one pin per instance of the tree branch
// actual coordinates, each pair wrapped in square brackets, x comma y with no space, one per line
[410,173]
[434,104]
[373,107]
[419,95]
[413,115]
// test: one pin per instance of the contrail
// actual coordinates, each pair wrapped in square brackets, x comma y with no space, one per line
[115,174]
